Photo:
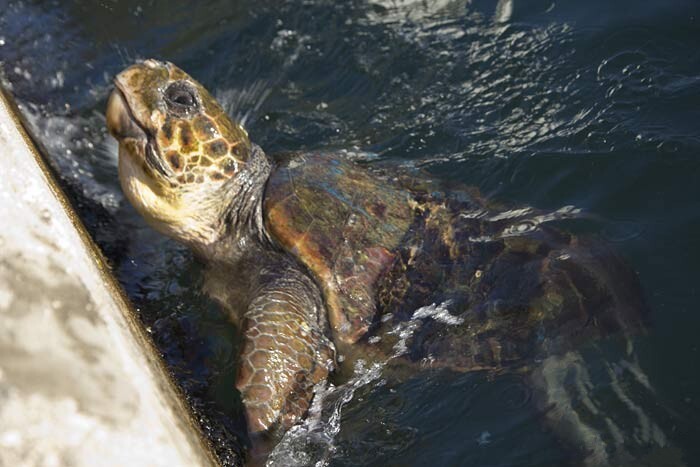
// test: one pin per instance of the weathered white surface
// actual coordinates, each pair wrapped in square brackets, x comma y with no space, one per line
[79,385]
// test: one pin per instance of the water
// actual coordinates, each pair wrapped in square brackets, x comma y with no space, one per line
[547,104]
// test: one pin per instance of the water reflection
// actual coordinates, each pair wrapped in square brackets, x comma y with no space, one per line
[538,103]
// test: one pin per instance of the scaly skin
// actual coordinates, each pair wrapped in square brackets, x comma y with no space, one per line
[285,351]
[194,175]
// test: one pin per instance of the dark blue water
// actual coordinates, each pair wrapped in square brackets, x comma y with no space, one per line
[537,103]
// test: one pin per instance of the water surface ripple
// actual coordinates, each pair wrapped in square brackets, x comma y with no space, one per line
[592,107]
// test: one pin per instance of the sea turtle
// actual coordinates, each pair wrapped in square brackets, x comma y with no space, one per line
[313,252]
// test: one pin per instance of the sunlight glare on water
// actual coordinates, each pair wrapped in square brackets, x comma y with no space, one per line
[585,115]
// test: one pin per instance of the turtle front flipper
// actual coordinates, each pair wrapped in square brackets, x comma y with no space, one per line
[285,352]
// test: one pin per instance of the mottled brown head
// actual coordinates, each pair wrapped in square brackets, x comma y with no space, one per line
[177,147]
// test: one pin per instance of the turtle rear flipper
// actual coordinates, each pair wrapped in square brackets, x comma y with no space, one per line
[602,408]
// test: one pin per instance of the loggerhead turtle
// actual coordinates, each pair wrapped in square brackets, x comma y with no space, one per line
[313,252]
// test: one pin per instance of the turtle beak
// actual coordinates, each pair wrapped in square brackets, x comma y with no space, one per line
[122,125]
[120,121]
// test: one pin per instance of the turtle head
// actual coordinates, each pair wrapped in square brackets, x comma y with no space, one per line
[178,150]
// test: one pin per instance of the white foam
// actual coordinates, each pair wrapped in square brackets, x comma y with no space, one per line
[313,441]
[439,313]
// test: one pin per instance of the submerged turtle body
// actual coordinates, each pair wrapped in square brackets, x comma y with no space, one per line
[382,247]
[315,247]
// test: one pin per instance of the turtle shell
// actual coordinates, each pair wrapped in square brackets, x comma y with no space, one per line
[486,288]
[344,224]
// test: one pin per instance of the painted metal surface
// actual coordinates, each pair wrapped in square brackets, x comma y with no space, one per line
[80,382]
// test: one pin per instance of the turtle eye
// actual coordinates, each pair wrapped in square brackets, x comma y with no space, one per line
[181,98]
